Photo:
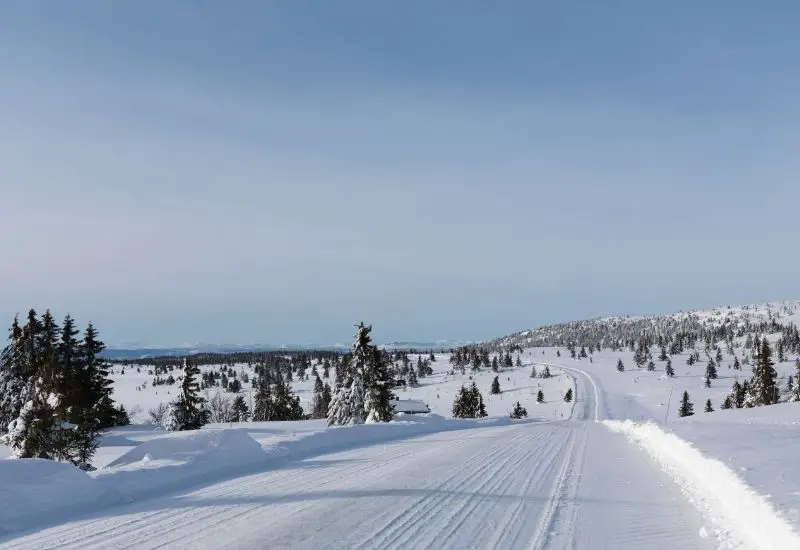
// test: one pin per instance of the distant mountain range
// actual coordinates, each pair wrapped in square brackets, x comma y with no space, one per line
[143,352]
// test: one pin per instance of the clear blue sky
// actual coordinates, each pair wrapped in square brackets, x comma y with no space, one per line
[278,171]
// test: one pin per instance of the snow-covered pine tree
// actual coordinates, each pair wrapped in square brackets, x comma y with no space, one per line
[620,366]
[796,393]
[727,403]
[533,372]
[546,372]
[686,408]
[263,404]
[763,387]
[459,403]
[540,397]
[15,374]
[663,355]
[518,412]
[711,370]
[319,400]
[568,396]
[188,412]
[378,395]
[709,408]
[736,364]
[495,390]
[240,411]
[651,366]
[411,379]
[670,372]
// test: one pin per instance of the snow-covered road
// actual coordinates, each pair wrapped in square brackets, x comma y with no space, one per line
[561,484]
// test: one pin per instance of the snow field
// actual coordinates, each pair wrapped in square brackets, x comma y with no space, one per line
[437,390]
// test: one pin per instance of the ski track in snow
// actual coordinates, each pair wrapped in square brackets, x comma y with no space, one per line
[528,486]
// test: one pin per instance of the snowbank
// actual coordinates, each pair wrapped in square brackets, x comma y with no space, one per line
[741,518]
[35,487]
[178,460]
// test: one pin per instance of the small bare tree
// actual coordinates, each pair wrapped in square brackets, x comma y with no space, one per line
[221,407]
[158,414]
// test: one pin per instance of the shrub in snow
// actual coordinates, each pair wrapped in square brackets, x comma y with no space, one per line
[568,396]
[518,412]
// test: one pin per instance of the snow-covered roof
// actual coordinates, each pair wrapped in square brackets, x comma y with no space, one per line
[410,406]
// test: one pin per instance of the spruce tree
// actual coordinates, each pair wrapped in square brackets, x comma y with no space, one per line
[460,404]
[188,412]
[763,387]
[495,390]
[239,409]
[711,370]
[670,372]
[796,392]
[686,408]
[568,396]
[709,408]
[727,403]
[533,372]
[736,364]
[518,412]
[620,366]
[540,397]
[319,409]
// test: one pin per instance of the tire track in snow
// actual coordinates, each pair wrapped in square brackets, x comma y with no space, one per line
[396,525]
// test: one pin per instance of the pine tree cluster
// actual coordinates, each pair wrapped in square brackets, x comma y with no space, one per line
[55,392]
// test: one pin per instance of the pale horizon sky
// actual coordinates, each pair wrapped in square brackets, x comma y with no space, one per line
[241,172]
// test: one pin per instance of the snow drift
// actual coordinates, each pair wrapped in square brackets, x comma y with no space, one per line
[741,518]
[29,486]
[180,459]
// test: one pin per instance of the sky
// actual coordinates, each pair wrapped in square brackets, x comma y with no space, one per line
[275,172]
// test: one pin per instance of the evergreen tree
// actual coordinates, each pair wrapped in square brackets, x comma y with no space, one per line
[319,409]
[663,356]
[239,409]
[711,370]
[568,396]
[651,366]
[670,372]
[188,412]
[460,406]
[736,364]
[763,387]
[495,386]
[518,412]
[620,366]
[533,372]
[796,392]
[686,408]
[727,403]
[540,397]
[709,408]
[546,372]
[495,364]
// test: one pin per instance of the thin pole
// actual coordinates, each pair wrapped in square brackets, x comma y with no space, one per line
[666,414]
